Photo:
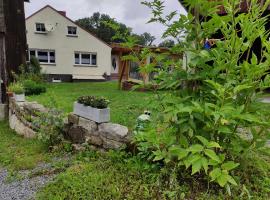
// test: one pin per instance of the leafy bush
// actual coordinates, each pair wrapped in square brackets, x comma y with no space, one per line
[17,88]
[211,104]
[95,102]
[33,88]
[50,125]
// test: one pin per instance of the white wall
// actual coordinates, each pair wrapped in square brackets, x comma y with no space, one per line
[66,46]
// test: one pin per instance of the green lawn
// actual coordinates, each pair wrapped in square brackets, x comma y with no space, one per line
[17,153]
[125,106]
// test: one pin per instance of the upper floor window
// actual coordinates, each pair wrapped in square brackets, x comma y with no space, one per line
[88,59]
[40,27]
[72,30]
[44,56]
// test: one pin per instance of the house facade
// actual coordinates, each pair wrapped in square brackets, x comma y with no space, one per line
[66,51]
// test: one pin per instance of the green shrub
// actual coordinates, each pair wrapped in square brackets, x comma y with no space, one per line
[33,88]
[213,102]
[17,88]
[95,102]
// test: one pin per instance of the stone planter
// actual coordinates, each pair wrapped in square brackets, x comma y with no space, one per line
[94,114]
[19,97]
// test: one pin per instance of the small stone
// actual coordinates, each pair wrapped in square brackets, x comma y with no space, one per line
[88,125]
[245,134]
[111,131]
[73,119]
[78,147]
[94,140]
[77,134]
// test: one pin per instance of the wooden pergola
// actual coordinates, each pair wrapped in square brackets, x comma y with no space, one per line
[13,45]
[124,65]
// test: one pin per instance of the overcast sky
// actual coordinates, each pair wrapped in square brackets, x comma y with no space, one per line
[129,12]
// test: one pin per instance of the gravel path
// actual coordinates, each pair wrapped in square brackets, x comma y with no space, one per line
[24,188]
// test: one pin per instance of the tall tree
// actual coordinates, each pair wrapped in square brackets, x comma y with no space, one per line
[97,24]
[167,43]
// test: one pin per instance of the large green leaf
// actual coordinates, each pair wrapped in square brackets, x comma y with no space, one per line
[212,154]
[179,152]
[196,166]
[195,148]
[229,165]
[215,173]
[203,140]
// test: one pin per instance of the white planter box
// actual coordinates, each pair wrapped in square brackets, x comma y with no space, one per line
[19,97]
[94,114]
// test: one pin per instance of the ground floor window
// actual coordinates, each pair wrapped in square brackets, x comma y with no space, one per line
[44,56]
[88,59]
[134,71]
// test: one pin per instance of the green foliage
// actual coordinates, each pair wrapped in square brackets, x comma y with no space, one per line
[98,25]
[50,125]
[212,101]
[17,153]
[95,102]
[17,88]
[33,88]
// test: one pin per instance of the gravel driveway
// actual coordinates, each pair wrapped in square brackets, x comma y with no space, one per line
[22,189]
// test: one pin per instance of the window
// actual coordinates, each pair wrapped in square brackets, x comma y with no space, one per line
[134,71]
[72,30]
[88,59]
[44,56]
[40,27]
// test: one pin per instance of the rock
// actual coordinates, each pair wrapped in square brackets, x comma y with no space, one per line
[89,126]
[29,133]
[73,119]
[78,147]
[12,121]
[94,140]
[3,112]
[77,134]
[111,144]
[33,107]
[111,131]
[245,134]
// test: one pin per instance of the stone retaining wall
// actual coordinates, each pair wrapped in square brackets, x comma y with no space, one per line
[78,130]
[105,135]
[22,116]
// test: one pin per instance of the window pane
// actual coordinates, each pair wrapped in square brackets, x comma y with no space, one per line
[52,57]
[40,27]
[43,56]
[94,59]
[32,53]
[134,71]
[72,30]
[77,58]
[86,59]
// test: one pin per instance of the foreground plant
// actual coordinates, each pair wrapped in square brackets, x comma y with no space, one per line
[211,118]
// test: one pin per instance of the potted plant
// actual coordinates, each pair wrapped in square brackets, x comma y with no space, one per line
[93,108]
[18,91]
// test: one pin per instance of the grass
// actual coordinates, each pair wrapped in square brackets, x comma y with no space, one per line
[125,106]
[17,153]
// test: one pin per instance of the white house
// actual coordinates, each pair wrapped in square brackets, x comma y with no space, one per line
[65,50]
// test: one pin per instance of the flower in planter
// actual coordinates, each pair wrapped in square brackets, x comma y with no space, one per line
[95,102]
[16,88]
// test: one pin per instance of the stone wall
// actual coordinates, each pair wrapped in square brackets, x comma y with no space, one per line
[105,135]
[78,130]
[22,116]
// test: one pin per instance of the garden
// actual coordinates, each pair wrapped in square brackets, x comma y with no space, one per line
[208,133]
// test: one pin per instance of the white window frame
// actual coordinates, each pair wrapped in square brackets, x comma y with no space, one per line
[74,35]
[44,32]
[48,54]
[80,59]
